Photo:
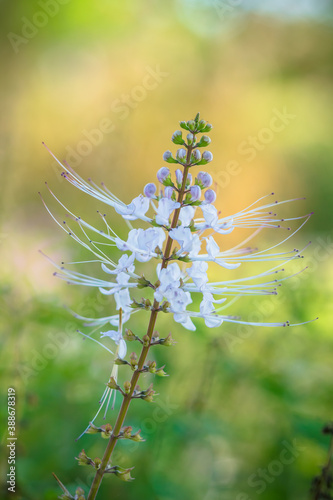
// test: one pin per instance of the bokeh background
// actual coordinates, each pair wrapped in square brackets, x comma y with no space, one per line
[104,84]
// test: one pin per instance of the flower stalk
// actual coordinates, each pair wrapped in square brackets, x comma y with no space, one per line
[145,349]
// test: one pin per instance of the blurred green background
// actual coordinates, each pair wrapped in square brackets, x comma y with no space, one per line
[104,84]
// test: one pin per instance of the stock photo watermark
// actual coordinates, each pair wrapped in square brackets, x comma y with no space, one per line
[262,478]
[253,144]
[30,26]
[121,108]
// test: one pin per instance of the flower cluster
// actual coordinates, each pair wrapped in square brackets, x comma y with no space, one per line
[179,211]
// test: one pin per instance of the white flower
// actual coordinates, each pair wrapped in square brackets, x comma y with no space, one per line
[186,215]
[198,273]
[143,242]
[169,277]
[189,242]
[165,208]
[135,210]
[117,337]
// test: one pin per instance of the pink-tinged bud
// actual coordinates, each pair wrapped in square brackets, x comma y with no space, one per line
[149,190]
[168,192]
[179,176]
[181,155]
[196,155]
[195,193]
[162,174]
[205,179]
[207,155]
[210,196]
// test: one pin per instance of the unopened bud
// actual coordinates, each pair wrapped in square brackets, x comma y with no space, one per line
[204,141]
[127,432]
[179,176]
[168,341]
[83,459]
[181,155]
[190,139]
[127,387]
[149,190]
[129,335]
[183,125]
[167,156]
[205,179]
[161,373]
[168,192]
[151,366]
[195,156]
[210,196]
[146,340]
[195,193]
[207,128]
[97,462]
[177,137]
[106,431]
[133,359]
[207,156]
[191,125]
[163,174]
[112,383]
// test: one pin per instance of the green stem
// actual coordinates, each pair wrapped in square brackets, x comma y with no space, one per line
[145,349]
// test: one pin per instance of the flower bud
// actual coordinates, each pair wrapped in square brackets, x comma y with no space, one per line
[191,125]
[205,179]
[112,383]
[207,156]
[127,387]
[207,128]
[133,359]
[202,124]
[177,137]
[123,474]
[195,156]
[83,459]
[106,431]
[168,192]
[195,193]
[210,196]
[161,373]
[149,190]
[168,341]
[190,139]
[146,340]
[189,180]
[129,335]
[181,155]
[151,366]
[179,176]
[127,432]
[204,141]
[136,437]
[183,125]
[163,174]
